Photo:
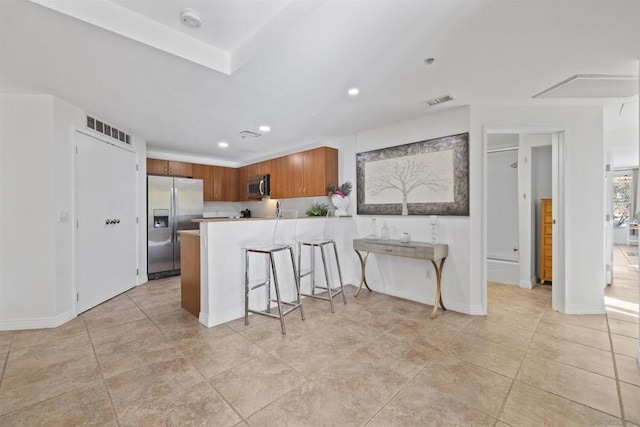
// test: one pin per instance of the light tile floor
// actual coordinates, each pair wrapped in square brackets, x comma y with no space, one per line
[139,359]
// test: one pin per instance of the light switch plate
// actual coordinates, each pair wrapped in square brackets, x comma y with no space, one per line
[63,216]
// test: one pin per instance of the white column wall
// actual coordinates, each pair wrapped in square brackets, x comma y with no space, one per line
[28,203]
[583,166]
[65,115]
[36,187]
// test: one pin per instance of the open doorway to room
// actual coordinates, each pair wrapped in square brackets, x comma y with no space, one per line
[622,204]
[523,181]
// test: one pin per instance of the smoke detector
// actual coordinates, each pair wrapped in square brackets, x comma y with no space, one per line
[190,18]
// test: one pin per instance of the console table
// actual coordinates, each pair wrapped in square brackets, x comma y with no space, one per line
[421,250]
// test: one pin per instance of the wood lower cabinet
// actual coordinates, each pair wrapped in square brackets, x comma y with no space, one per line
[304,174]
[169,167]
[546,240]
[190,271]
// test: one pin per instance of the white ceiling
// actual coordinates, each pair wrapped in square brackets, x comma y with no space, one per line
[289,63]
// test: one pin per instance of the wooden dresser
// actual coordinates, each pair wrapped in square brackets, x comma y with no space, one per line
[546,247]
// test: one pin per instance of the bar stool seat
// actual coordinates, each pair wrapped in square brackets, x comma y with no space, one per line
[282,241]
[321,242]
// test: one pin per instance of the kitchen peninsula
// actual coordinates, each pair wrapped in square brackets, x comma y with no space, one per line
[222,261]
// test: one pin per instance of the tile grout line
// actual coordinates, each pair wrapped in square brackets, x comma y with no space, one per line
[5,362]
[226,401]
[411,378]
[615,372]
[515,377]
[183,356]
[104,381]
[566,397]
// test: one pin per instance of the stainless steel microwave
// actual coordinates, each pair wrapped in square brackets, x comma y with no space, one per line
[258,186]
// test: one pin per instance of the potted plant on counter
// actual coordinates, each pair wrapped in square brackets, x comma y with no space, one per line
[317,209]
[340,197]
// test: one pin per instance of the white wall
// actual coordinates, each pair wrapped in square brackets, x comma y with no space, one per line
[623,144]
[502,210]
[583,220]
[528,202]
[65,115]
[28,194]
[407,278]
[540,189]
[36,187]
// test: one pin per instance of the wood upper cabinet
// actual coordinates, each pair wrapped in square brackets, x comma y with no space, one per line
[219,183]
[304,174]
[225,184]
[287,176]
[241,188]
[320,170]
[260,168]
[180,169]
[157,167]
[169,167]
[204,173]
[546,240]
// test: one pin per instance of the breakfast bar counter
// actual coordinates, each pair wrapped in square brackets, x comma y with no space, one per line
[221,261]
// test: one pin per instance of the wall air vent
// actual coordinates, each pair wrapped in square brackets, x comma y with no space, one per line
[250,133]
[438,100]
[108,130]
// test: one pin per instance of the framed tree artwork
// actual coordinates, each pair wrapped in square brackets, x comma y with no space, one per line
[421,178]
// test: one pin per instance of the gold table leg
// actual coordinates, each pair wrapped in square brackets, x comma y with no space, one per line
[363,277]
[438,299]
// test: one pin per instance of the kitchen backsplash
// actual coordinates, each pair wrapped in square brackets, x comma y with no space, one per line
[263,208]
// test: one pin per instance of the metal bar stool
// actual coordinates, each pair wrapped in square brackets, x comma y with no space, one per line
[321,242]
[283,240]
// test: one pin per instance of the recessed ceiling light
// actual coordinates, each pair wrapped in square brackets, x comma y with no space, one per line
[223,144]
[190,18]
[264,128]
[353,91]
[429,61]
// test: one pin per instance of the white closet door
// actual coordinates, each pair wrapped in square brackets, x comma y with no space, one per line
[106,240]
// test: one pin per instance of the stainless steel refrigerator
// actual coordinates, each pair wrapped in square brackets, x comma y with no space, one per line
[171,205]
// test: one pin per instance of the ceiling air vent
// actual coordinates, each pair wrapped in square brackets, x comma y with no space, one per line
[439,100]
[252,134]
[108,130]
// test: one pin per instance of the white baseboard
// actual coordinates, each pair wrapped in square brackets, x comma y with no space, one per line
[36,323]
[585,309]
[474,310]
[220,318]
[528,284]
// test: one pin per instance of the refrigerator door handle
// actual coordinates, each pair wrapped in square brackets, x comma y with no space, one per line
[174,227]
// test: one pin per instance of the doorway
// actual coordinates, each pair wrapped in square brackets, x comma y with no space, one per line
[522,168]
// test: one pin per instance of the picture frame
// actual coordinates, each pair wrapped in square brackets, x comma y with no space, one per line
[428,177]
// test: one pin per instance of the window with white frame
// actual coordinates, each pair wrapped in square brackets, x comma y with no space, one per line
[622,199]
